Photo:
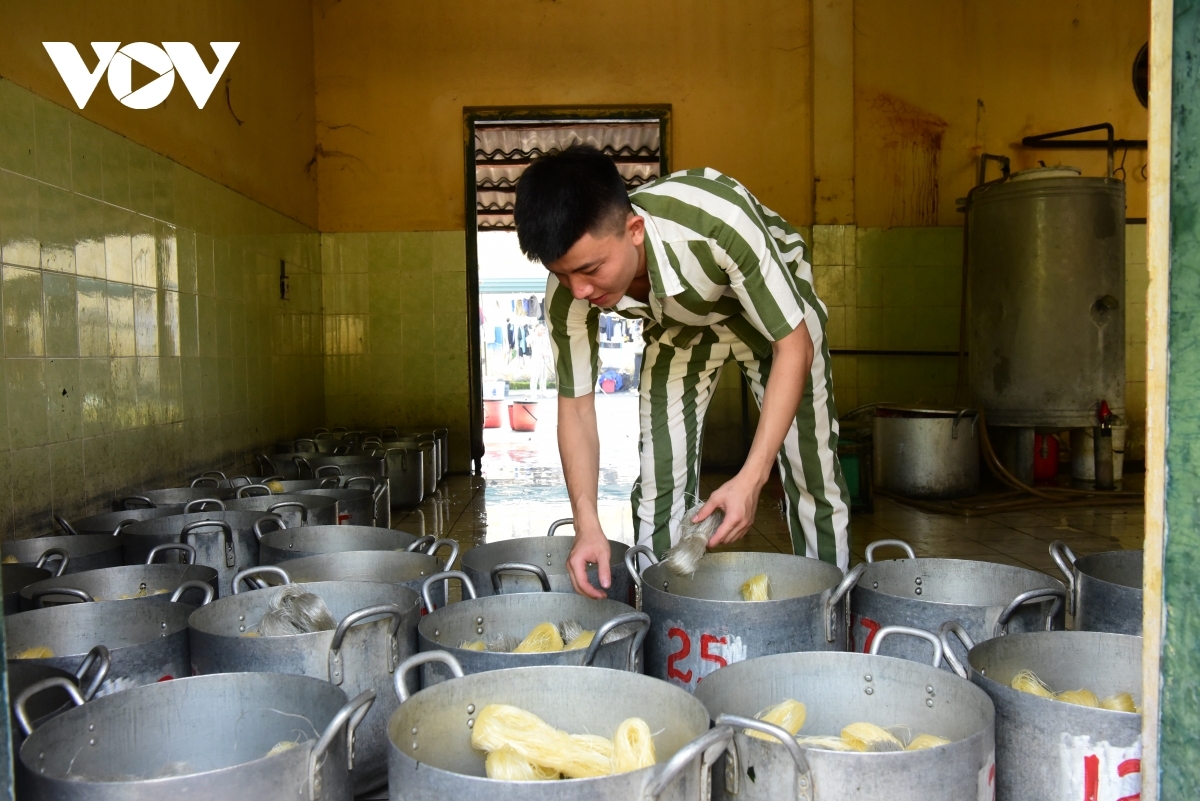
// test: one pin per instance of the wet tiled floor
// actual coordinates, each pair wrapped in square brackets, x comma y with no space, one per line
[522,492]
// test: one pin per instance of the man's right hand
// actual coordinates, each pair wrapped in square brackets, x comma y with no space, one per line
[592,547]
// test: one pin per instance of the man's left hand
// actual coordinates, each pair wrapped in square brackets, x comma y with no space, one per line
[738,498]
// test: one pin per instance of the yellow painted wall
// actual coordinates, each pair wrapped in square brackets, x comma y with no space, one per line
[265,157]
[939,82]
[392,80]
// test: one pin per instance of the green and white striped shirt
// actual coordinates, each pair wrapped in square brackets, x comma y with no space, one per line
[715,255]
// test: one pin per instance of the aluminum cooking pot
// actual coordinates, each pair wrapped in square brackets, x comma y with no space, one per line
[1052,749]
[42,705]
[514,616]
[15,578]
[431,759]
[838,689]
[147,642]
[376,630]
[175,496]
[988,599]
[425,446]
[85,551]
[352,509]
[108,522]
[409,569]
[1104,590]
[700,623]
[148,583]
[305,464]
[295,543]
[225,541]
[201,737]
[441,435]
[406,474]
[926,452]
[295,510]
[549,554]
[305,444]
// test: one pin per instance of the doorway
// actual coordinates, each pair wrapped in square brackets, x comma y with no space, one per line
[514,391]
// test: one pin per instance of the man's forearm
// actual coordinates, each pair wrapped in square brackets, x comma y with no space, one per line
[790,363]
[579,448]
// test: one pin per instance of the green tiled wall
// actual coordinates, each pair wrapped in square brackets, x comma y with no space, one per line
[143,335]
[396,332]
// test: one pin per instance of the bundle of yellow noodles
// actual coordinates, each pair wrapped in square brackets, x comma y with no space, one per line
[583,640]
[472,645]
[922,741]
[1121,702]
[279,748]
[788,714]
[757,588]
[275,487]
[36,652]
[507,765]
[869,738]
[10,560]
[1026,682]
[1079,698]
[543,639]
[633,746]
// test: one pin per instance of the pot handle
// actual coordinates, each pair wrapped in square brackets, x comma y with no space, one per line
[707,747]
[631,561]
[302,462]
[643,623]
[353,619]
[247,491]
[300,442]
[955,628]
[389,432]
[566,521]
[519,567]
[349,482]
[419,543]
[467,585]
[870,554]
[37,595]
[1064,557]
[129,521]
[202,503]
[803,771]
[290,505]
[841,591]
[205,481]
[226,535]
[100,657]
[273,570]
[1059,596]
[188,550]
[327,469]
[265,466]
[439,543]
[274,519]
[416,660]
[65,526]
[236,481]
[349,716]
[50,553]
[909,630]
[142,499]
[37,687]
[203,586]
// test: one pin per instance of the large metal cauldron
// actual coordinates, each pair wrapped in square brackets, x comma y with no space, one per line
[1047,749]
[408,569]
[295,543]
[295,510]
[431,759]
[406,474]
[515,616]
[1104,590]
[522,559]
[377,626]
[148,583]
[700,623]
[205,737]
[923,452]
[174,496]
[1047,281]
[988,599]
[84,551]
[14,578]
[107,523]
[839,689]
[351,509]
[426,447]
[41,705]
[225,541]
[147,642]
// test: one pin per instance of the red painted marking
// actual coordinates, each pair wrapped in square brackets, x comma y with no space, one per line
[1091,778]
[343,517]
[1129,766]
[672,671]
[166,678]
[871,626]
[707,640]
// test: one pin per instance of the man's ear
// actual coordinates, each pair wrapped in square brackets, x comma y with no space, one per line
[635,228]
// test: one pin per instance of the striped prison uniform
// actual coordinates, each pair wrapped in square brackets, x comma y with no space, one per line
[728,277]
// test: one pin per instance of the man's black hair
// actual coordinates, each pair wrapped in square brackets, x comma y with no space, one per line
[563,196]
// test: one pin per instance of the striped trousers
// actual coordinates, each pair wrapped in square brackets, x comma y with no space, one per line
[677,383]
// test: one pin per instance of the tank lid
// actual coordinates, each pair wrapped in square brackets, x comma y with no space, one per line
[898,410]
[1046,172]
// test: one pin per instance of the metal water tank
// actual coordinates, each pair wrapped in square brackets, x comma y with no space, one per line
[1046,256]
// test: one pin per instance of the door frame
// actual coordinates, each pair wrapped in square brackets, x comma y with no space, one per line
[536,114]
